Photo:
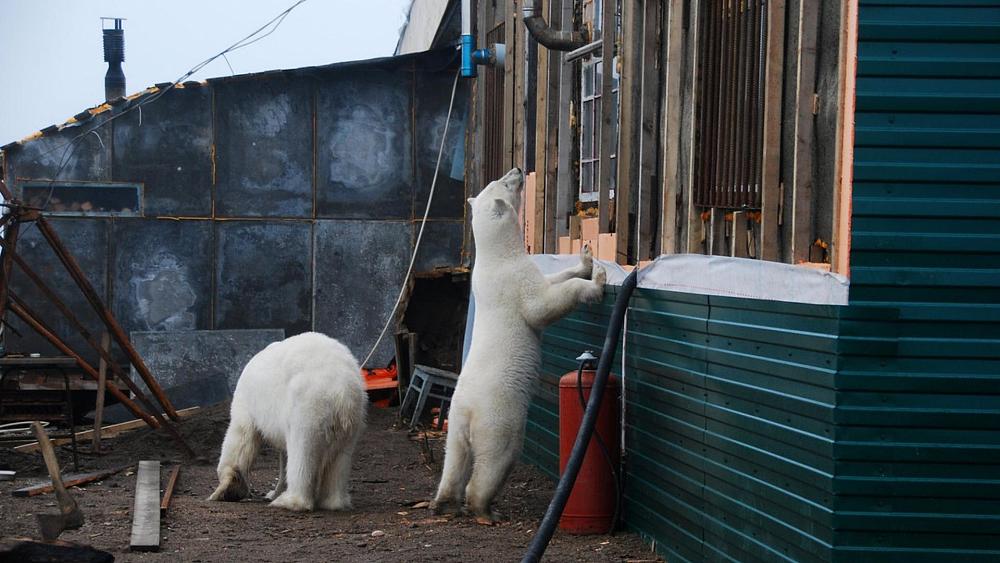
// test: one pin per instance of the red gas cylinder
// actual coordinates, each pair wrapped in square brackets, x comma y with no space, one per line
[591,505]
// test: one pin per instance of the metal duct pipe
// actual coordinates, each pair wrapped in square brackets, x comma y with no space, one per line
[545,35]
[114,54]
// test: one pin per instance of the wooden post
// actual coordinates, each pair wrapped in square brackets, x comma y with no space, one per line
[845,138]
[774,70]
[802,160]
[688,90]
[509,70]
[649,116]
[607,111]
[102,374]
[628,123]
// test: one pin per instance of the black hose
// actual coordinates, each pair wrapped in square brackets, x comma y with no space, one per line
[565,486]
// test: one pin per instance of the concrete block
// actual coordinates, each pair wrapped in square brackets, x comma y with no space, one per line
[200,367]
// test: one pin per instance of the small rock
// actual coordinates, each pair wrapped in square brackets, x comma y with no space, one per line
[422,504]
[378,534]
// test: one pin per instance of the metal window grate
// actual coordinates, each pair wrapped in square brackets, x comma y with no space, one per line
[493,114]
[730,104]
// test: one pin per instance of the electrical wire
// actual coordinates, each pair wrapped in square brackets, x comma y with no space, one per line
[423,223]
[250,39]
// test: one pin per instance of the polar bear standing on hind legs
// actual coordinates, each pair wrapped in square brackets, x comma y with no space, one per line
[306,397]
[514,302]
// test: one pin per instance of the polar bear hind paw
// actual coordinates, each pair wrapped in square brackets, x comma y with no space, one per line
[295,503]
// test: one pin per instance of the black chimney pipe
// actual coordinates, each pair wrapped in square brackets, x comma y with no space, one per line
[114,54]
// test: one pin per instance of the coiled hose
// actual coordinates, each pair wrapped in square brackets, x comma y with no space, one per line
[548,526]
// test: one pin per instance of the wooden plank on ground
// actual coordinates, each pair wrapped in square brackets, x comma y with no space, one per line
[106,432]
[70,480]
[146,510]
[773,78]
[168,492]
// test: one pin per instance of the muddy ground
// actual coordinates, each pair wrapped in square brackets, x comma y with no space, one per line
[392,471]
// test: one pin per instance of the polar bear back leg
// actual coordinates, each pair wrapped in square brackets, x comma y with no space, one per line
[307,443]
[457,462]
[495,450]
[239,449]
[334,491]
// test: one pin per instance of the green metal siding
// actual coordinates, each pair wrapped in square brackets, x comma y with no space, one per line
[918,405]
[730,422]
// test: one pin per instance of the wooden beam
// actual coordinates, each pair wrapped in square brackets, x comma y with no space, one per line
[520,75]
[697,229]
[630,59]
[551,168]
[607,111]
[802,159]
[70,480]
[567,175]
[106,432]
[509,69]
[841,244]
[674,67]
[649,117]
[771,176]
[146,511]
[168,492]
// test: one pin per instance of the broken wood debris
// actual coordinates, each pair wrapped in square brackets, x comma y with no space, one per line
[168,492]
[106,432]
[71,480]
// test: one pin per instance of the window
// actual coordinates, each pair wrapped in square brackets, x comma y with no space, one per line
[83,198]
[590,128]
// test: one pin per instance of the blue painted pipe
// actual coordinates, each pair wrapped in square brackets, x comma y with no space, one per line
[468,64]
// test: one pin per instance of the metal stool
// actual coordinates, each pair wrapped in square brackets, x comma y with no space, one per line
[427,382]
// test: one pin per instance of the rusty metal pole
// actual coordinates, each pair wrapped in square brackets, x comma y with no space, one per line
[6,264]
[21,310]
[109,320]
[44,331]
[72,318]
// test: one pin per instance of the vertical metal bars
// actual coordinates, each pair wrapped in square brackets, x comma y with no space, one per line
[729,113]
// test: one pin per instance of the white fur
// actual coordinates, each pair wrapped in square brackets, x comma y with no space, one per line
[304,396]
[514,302]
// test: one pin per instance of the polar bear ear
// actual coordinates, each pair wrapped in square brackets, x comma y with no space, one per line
[471,201]
[500,207]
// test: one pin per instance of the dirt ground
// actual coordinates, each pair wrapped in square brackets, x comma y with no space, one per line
[392,471]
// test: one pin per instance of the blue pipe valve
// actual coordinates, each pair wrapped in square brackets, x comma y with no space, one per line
[472,57]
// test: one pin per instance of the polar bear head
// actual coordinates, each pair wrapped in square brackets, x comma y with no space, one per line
[494,211]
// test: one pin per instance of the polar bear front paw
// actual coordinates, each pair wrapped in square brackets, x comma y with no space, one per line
[292,502]
[600,276]
[586,262]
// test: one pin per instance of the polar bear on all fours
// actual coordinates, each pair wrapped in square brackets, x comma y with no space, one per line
[514,302]
[304,396]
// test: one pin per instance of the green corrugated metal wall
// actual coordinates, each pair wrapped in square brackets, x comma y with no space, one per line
[764,431]
[918,420]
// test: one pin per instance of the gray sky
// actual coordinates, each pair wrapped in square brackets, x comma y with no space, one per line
[52,58]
